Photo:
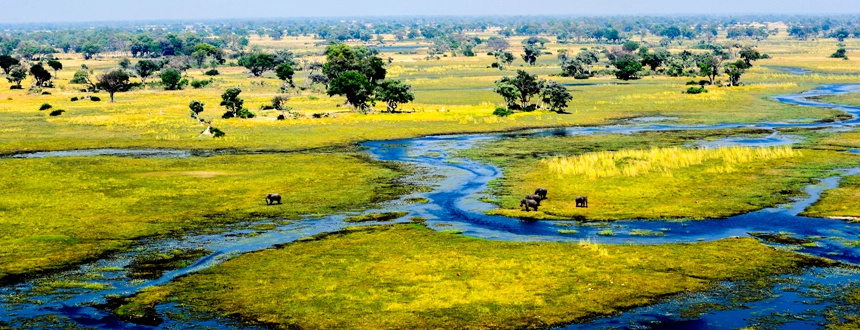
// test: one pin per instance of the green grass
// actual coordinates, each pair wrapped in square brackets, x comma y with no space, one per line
[406,276]
[387,216]
[65,210]
[709,190]
[843,201]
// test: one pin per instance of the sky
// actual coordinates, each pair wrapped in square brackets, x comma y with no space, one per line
[20,11]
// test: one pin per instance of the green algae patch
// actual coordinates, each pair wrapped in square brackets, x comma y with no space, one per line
[406,276]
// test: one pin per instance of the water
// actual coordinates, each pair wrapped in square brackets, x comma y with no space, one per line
[455,203]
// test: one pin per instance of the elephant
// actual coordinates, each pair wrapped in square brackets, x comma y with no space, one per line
[529,203]
[272,198]
[582,201]
[535,198]
[541,192]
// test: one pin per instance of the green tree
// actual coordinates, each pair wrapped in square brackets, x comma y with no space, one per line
[279,102]
[230,100]
[503,59]
[258,63]
[709,66]
[735,70]
[531,53]
[355,87]
[525,85]
[82,77]
[171,78]
[749,55]
[555,96]
[16,75]
[588,58]
[628,66]
[285,73]
[393,93]
[42,76]
[145,69]
[56,65]
[88,50]
[114,81]
[7,62]
[196,108]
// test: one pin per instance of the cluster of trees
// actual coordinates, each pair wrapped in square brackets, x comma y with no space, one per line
[359,75]
[520,90]
[16,71]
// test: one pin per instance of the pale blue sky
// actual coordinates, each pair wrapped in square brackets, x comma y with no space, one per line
[15,11]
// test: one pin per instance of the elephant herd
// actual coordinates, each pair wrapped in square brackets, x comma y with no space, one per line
[533,201]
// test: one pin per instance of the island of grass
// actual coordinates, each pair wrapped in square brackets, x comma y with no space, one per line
[67,210]
[407,276]
[653,175]
[376,217]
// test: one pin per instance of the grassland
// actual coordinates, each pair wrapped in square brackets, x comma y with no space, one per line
[64,210]
[709,188]
[407,276]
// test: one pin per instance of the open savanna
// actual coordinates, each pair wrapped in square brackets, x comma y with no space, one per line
[57,211]
[650,175]
[407,276]
[453,95]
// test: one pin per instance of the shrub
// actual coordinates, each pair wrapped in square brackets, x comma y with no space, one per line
[580,76]
[696,90]
[15,87]
[503,112]
[74,99]
[704,82]
[56,112]
[200,83]
[245,113]
[45,106]
[212,72]
[46,93]
[692,82]
[216,132]
[95,98]
[267,107]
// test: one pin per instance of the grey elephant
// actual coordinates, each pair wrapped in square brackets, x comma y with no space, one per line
[541,192]
[582,201]
[535,198]
[273,198]
[529,204]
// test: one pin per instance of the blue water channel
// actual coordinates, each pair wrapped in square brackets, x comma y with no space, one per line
[455,203]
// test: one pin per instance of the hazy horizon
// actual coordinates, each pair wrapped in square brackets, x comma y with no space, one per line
[54,11]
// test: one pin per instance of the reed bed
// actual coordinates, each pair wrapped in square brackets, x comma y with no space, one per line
[660,160]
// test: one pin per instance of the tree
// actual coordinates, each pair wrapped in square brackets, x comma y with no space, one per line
[525,87]
[145,69]
[88,50]
[355,87]
[172,79]
[316,78]
[394,93]
[196,108]
[588,59]
[230,100]
[555,96]
[497,44]
[125,63]
[531,53]
[42,76]
[16,75]
[285,73]
[503,59]
[840,53]
[258,63]
[709,66]
[56,65]
[114,81]
[7,62]
[82,77]
[655,59]
[279,102]
[749,54]
[735,70]
[573,68]
[628,66]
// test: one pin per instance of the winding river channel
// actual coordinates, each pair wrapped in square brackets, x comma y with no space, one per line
[455,203]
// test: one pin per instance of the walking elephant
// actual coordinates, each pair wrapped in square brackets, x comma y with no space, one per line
[529,203]
[273,198]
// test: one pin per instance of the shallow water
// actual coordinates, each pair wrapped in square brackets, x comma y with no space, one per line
[455,203]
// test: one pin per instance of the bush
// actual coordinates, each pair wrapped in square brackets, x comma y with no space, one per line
[200,83]
[529,108]
[765,56]
[245,113]
[696,90]
[74,99]
[704,82]
[267,107]
[212,72]
[45,106]
[56,112]
[580,76]
[95,98]
[46,93]
[216,132]
[503,112]
[15,87]
[692,82]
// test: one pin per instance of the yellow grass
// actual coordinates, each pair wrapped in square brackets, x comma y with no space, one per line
[662,160]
